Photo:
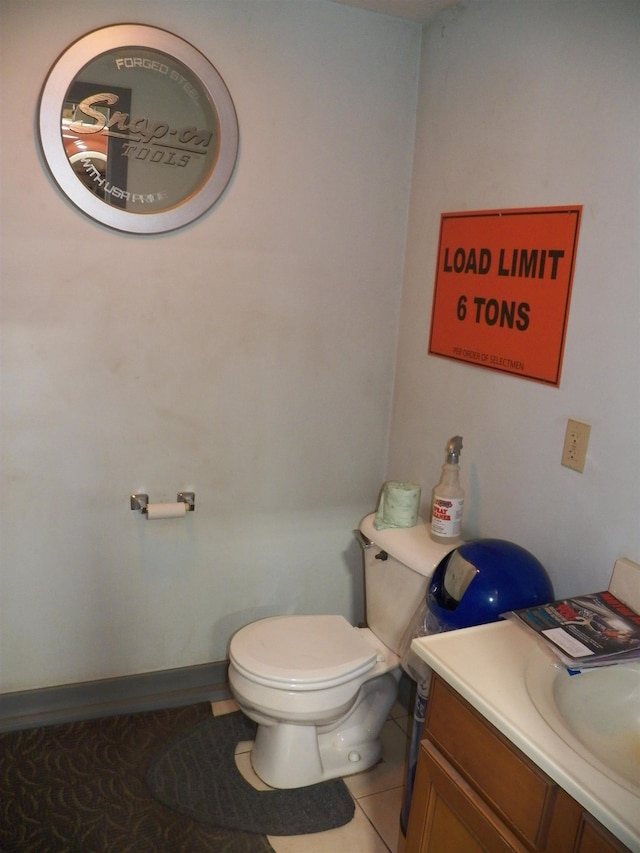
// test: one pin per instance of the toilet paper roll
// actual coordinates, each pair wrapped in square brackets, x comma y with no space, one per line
[398,505]
[168,510]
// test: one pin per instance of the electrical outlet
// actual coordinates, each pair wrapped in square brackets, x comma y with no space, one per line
[576,441]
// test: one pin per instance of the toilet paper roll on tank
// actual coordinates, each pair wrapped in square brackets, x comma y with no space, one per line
[398,505]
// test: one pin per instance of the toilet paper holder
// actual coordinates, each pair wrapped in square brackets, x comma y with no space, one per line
[140,501]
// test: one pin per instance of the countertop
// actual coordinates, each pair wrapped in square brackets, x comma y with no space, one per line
[486,665]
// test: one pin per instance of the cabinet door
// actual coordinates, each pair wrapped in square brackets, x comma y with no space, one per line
[593,838]
[508,782]
[448,816]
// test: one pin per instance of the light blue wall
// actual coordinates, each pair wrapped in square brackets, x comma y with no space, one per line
[533,104]
[248,356]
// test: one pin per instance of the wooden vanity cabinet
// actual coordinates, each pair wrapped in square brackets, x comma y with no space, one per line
[475,792]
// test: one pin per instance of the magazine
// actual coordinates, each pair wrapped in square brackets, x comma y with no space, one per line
[586,631]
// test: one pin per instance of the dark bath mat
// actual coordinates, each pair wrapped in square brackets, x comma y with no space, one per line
[197,776]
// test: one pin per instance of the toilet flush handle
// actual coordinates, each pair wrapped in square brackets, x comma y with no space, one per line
[366,543]
[362,540]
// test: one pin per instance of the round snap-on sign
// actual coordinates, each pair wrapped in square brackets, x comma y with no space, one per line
[138,128]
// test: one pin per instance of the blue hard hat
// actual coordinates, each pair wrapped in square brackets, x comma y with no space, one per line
[481,579]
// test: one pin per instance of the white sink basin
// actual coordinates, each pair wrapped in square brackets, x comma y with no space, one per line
[597,713]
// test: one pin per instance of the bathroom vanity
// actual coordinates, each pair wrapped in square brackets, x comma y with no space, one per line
[492,773]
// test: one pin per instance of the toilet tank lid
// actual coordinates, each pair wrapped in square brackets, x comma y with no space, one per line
[301,651]
[411,546]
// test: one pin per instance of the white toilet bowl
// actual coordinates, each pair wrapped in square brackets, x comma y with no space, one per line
[320,691]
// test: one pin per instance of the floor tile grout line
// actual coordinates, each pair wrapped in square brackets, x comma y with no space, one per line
[374,827]
[376,792]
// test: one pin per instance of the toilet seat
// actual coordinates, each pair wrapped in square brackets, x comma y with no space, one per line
[301,652]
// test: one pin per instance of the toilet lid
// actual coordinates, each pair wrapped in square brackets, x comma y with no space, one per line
[301,652]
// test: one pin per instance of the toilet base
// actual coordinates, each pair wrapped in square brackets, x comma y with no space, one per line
[292,755]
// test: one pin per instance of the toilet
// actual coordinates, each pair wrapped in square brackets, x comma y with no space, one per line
[320,689]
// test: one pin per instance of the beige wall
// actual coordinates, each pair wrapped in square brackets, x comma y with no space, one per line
[524,105]
[248,356]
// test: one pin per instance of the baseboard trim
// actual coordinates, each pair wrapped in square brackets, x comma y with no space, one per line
[150,691]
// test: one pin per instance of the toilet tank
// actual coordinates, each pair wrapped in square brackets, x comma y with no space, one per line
[395,586]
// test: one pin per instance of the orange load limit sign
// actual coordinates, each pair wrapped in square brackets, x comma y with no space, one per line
[503,289]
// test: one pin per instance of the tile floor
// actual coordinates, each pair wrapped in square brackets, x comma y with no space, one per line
[377,793]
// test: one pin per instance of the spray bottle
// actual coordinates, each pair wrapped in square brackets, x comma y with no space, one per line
[448,498]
